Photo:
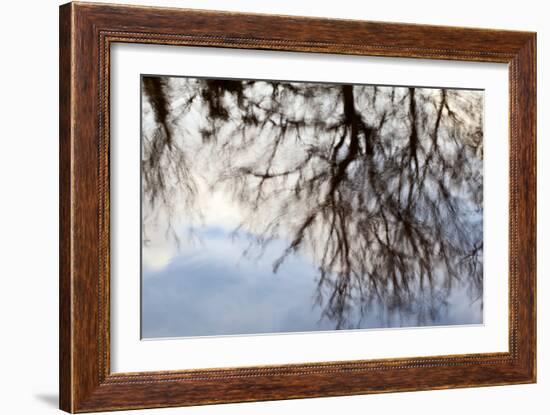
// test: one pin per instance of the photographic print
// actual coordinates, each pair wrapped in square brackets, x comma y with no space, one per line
[275,206]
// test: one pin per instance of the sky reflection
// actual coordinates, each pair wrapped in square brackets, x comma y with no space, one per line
[275,206]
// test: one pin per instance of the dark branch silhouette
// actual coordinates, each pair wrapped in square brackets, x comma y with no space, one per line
[380,186]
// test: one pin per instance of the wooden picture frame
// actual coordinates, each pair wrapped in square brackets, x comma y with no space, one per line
[86,33]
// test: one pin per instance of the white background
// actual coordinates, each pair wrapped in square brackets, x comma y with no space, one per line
[29,172]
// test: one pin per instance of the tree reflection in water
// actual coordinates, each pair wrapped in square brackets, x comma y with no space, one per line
[381,187]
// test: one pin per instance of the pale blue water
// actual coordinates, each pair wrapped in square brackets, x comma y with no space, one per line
[212,289]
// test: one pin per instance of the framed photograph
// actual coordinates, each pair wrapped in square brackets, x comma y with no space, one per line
[258,207]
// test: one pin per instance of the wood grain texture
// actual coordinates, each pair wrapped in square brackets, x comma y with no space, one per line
[65,246]
[86,33]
